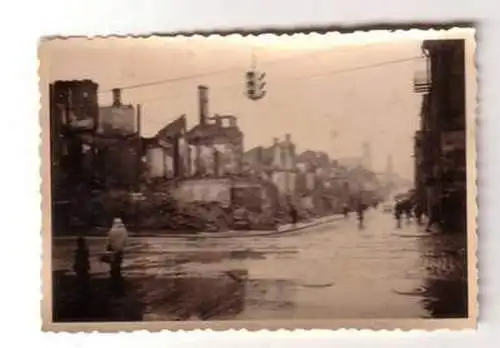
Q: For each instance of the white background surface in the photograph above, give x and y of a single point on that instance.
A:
(23, 22)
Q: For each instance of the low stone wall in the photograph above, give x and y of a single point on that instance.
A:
(204, 190)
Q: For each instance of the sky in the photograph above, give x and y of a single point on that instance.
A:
(331, 92)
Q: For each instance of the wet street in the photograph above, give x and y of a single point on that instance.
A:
(334, 270)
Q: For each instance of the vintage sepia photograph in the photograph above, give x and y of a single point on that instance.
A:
(260, 181)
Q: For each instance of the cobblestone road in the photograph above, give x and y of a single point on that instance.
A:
(335, 270)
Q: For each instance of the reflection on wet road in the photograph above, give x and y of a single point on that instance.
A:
(334, 270)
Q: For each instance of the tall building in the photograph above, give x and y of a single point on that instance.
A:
(440, 175)
(167, 153)
(73, 115)
(388, 176)
(276, 163)
(117, 119)
(215, 144)
(389, 166)
(366, 156)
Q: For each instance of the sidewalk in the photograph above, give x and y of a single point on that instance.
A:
(283, 229)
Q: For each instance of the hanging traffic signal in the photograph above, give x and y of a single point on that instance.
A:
(261, 84)
(255, 85)
(251, 90)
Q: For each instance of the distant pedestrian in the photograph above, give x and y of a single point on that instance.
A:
(345, 210)
(398, 212)
(418, 211)
(435, 215)
(406, 207)
(294, 214)
(361, 212)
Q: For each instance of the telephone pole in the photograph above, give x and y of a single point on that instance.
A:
(138, 149)
(136, 196)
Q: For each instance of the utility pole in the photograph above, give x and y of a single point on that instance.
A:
(138, 148)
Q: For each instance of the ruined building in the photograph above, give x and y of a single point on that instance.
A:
(215, 143)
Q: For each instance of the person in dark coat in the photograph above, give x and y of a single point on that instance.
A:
(435, 215)
(294, 215)
(419, 211)
(81, 266)
(406, 206)
(345, 210)
(361, 207)
(398, 212)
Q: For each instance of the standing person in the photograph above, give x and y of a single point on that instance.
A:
(345, 210)
(293, 213)
(398, 211)
(419, 211)
(81, 265)
(435, 215)
(361, 212)
(406, 208)
(117, 239)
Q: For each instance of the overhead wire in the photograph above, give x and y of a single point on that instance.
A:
(314, 76)
(239, 68)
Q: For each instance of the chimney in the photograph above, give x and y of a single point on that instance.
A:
(203, 101)
(117, 97)
(288, 137)
(139, 119)
(275, 141)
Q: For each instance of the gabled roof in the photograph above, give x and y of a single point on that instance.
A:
(173, 129)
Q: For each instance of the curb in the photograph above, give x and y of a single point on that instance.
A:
(221, 235)
(246, 234)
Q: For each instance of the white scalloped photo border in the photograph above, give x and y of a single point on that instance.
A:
(344, 36)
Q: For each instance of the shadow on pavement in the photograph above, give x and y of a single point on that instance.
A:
(446, 298)
(169, 298)
(446, 286)
(94, 300)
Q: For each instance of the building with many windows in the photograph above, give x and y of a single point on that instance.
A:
(440, 144)
(276, 163)
(215, 144)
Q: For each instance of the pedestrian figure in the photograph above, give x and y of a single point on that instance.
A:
(361, 213)
(435, 216)
(117, 239)
(418, 213)
(398, 211)
(406, 208)
(294, 214)
(81, 265)
(345, 210)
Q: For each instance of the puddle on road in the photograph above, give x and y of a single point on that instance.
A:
(444, 290)
(206, 256)
(182, 297)
(428, 271)
(319, 286)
